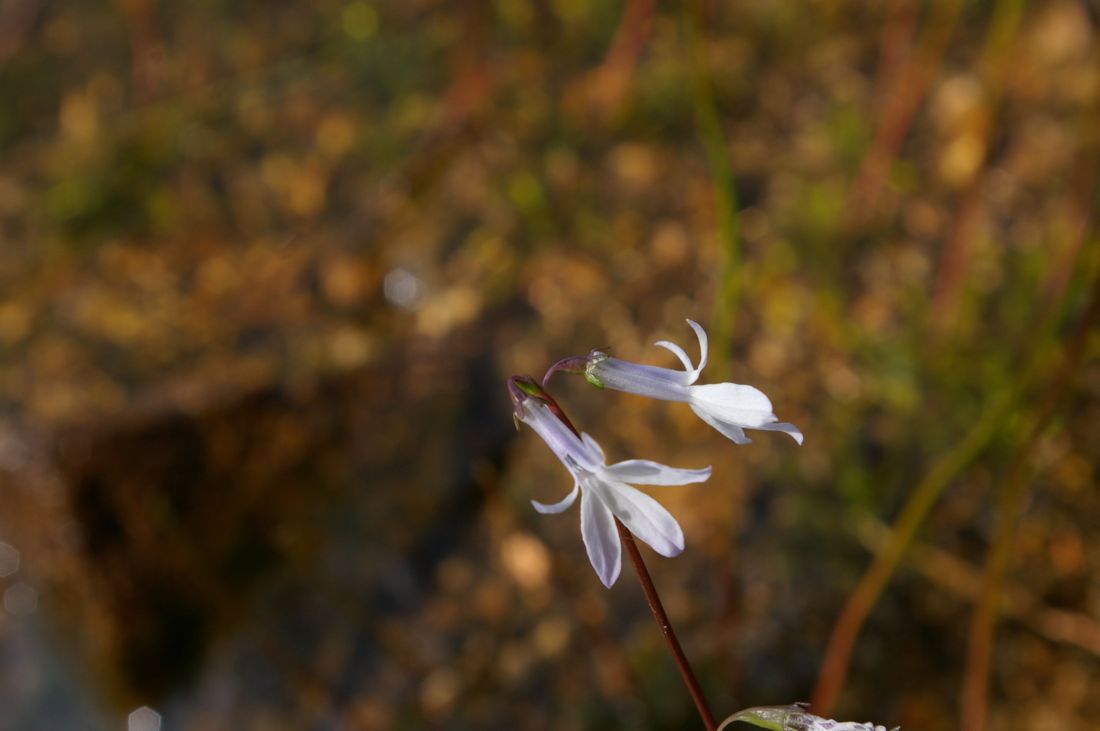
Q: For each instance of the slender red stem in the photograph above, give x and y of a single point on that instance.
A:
(663, 622)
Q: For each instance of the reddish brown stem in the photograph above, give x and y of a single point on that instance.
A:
(905, 81)
(666, 627)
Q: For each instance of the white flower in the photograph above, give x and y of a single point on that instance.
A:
(605, 494)
(728, 407)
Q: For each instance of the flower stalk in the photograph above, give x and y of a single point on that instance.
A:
(612, 510)
(665, 625)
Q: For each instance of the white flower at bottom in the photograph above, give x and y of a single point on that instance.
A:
(795, 717)
(606, 494)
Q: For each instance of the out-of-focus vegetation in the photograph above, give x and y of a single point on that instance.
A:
(265, 266)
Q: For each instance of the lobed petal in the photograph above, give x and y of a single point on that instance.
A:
(790, 429)
(646, 472)
(644, 516)
(678, 352)
(601, 538)
(729, 430)
(746, 406)
(558, 507)
(701, 334)
(691, 372)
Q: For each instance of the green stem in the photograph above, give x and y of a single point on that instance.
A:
(1009, 506)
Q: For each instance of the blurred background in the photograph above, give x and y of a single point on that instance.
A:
(265, 267)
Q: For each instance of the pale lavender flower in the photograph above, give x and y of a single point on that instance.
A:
(605, 492)
(728, 407)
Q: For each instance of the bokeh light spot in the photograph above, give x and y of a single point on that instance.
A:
(21, 599)
(403, 289)
(360, 21)
(143, 719)
(526, 560)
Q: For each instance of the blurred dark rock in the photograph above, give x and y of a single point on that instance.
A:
(150, 531)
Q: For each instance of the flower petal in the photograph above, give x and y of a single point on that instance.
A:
(644, 516)
(731, 431)
(645, 472)
(558, 507)
(601, 538)
(794, 432)
(692, 372)
(701, 334)
(678, 352)
(746, 406)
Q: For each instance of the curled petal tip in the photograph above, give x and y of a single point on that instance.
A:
(701, 336)
(558, 507)
(681, 355)
(789, 429)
